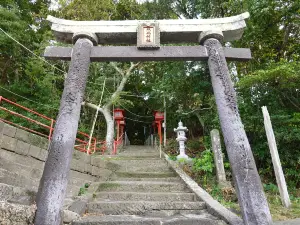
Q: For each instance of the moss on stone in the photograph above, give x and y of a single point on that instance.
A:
(107, 186)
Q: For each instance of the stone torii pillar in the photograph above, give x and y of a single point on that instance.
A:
(54, 181)
(248, 185)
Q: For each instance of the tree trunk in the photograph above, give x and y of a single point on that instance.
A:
(110, 128)
(106, 108)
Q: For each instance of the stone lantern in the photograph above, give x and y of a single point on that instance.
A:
(181, 139)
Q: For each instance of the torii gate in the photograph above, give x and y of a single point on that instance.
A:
(210, 34)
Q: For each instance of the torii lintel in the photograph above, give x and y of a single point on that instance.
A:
(170, 31)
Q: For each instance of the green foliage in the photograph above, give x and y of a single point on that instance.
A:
(271, 188)
(173, 157)
(83, 190)
(182, 161)
(205, 163)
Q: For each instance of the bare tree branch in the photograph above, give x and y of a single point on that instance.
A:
(93, 106)
(114, 65)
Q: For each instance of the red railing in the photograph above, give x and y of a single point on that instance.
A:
(81, 143)
(117, 143)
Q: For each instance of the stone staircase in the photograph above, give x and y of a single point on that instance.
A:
(144, 190)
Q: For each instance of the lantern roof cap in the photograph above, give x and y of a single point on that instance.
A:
(180, 127)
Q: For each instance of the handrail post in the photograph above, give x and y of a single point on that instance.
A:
(51, 128)
(95, 145)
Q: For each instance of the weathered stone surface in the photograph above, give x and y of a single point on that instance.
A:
(34, 139)
(172, 31)
(145, 174)
(79, 206)
(43, 155)
(218, 157)
(14, 214)
(102, 173)
(131, 53)
(214, 207)
(145, 196)
(140, 207)
(22, 135)
(74, 165)
(1, 127)
(9, 191)
(22, 147)
(142, 186)
(9, 130)
(23, 199)
(22, 160)
(17, 179)
(69, 216)
(288, 222)
(88, 168)
(252, 200)
(54, 181)
(98, 161)
(138, 220)
(44, 142)
(34, 151)
(8, 143)
(285, 199)
(137, 163)
(82, 176)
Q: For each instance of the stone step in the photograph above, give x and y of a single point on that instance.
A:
(136, 154)
(139, 148)
(166, 174)
(112, 158)
(9, 191)
(142, 186)
(140, 196)
(15, 179)
(138, 220)
(140, 207)
(163, 179)
(142, 165)
(20, 168)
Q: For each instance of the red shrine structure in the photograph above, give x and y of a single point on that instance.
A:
(119, 118)
(159, 117)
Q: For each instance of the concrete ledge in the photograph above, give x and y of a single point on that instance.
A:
(213, 206)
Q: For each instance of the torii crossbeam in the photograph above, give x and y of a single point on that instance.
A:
(148, 36)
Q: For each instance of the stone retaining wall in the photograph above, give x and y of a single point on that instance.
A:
(33, 148)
